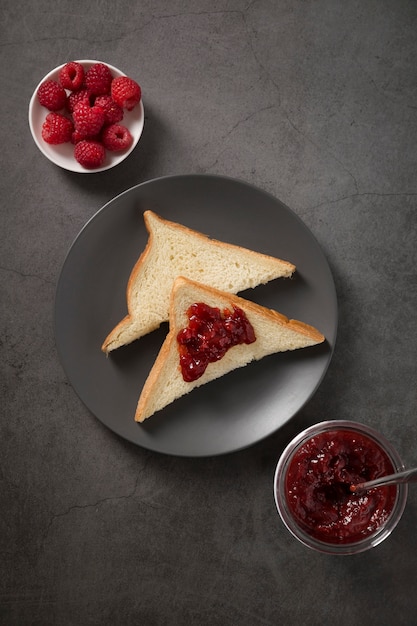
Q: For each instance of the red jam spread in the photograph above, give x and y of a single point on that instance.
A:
(317, 487)
(208, 336)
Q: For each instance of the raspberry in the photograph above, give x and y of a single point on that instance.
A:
(113, 113)
(57, 129)
(94, 105)
(71, 76)
(98, 79)
(126, 92)
(89, 154)
(77, 136)
(83, 95)
(116, 137)
(88, 120)
(52, 95)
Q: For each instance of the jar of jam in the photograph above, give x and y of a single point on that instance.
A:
(312, 487)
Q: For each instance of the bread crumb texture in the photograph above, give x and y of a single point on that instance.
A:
(274, 333)
(174, 250)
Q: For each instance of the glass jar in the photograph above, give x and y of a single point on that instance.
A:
(311, 487)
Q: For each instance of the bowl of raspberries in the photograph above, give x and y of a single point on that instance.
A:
(86, 116)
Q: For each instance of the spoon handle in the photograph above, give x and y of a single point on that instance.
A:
(406, 476)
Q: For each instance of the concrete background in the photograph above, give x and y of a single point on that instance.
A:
(313, 101)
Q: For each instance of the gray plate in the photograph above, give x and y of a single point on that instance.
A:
(246, 405)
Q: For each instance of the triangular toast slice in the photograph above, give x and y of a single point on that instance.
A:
(174, 250)
(273, 333)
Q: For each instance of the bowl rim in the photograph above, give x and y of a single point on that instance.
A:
(52, 153)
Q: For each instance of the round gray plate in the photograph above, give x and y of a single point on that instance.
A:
(246, 405)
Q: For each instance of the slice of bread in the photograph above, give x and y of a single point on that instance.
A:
(173, 250)
(273, 331)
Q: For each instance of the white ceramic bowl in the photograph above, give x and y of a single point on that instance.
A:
(63, 154)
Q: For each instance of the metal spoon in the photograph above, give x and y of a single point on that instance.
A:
(406, 476)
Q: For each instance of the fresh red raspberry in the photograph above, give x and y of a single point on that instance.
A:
(57, 129)
(71, 76)
(83, 95)
(89, 153)
(77, 136)
(113, 112)
(98, 79)
(52, 95)
(116, 137)
(126, 92)
(88, 120)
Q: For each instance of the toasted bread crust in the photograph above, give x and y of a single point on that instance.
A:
(246, 305)
(148, 216)
(113, 336)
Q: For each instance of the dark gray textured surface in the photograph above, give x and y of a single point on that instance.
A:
(313, 101)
